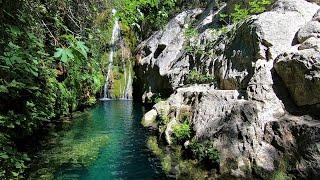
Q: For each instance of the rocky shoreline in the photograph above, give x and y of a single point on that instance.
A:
(262, 110)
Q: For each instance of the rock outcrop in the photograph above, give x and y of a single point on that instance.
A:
(300, 70)
(160, 68)
(249, 116)
(301, 74)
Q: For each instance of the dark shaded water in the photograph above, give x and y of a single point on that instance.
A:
(126, 155)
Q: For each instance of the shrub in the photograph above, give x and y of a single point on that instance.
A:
(280, 175)
(196, 77)
(157, 98)
(191, 32)
(154, 147)
(166, 164)
(241, 12)
(182, 132)
(205, 152)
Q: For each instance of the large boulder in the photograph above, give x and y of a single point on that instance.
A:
(248, 144)
(298, 141)
(301, 73)
(299, 70)
(263, 37)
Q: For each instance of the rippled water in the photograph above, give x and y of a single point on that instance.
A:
(126, 155)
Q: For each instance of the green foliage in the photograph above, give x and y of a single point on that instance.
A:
(174, 158)
(243, 11)
(52, 61)
(192, 47)
(182, 132)
(205, 152)
(12, 163)
(239, 13)
(280, 175)
(166, 164)
(150, 15)
(154, 147)
(196, 77)
(157, 98)
(164, 119)
(144, 15)
(191, 32)
(258, 6)
(47, 70)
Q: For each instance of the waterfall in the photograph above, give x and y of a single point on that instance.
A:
(126, 88)
(115, 37)
(128, 92)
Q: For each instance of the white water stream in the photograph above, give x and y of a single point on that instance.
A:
(127, 90)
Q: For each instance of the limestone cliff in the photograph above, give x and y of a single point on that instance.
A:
(263, 108)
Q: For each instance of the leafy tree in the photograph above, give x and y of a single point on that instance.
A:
(44, 73)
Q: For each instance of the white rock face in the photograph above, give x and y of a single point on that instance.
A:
(251, 118)
(160, 67)
(311, 43)
(149, 119)
(311, 29)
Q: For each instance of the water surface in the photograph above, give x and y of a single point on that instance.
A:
(125, 156)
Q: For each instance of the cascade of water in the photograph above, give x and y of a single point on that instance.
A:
(128, 92)
(124, 73)
(115, 37)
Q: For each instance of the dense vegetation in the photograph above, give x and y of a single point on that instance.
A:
(53, 59)
(48, 69)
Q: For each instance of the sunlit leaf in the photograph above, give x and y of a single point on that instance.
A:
(65, 54)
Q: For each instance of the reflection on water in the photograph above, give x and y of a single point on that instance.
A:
(106, 142)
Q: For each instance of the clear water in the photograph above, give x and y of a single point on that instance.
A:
(126, 155)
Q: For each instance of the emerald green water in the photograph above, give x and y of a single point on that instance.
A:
(124, 156)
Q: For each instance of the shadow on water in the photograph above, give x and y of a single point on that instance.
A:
(124, 155)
